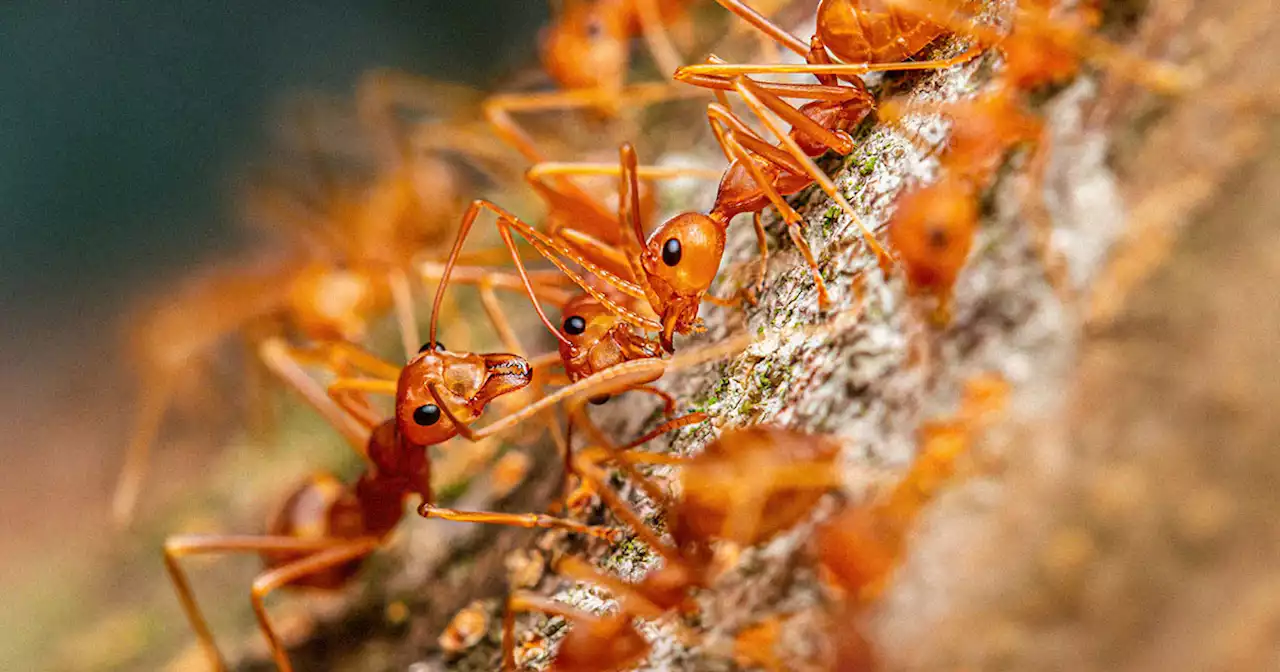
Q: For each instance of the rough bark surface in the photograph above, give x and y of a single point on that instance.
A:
(1121, 515)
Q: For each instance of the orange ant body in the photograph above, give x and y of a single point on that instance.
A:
(355, 241)
(934, 225)
(860, 546)
(325, 528)
(746, 487)
(588, 44)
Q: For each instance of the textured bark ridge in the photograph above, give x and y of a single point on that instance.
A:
(1123, 497)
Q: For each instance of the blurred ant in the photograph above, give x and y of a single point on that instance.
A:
(933, 226)
(746, 487)
(353, 246)
(588, 44)
(859, 547)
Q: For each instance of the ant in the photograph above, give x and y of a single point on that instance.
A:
(850, 41)
(746, 487)
(325, 528)
(588, 44)
(860, 545)
(352, 246)
(933, 226)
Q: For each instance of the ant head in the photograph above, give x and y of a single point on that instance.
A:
(932, 230)
(598, 339)
(587, 46)
(681, 259)
(332, 302)
(466, 382)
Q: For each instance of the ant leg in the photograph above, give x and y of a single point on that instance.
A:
(753, 96)
(633, 601)
(525, 520)
(592, 475)
(762, 22)
(668, 401)
(402, 299)
(286, 574)
(789, 215)
(380, 92)
(499, 108)
(553, 251)
(277, 358)
(526, 601)
(656, 38)
(154, 403)
(820, 70)
(340, 356)
(549, 283)
(178, 547)
(613, 380)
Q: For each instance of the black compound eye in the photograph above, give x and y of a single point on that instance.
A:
(575, 325)
(427, 346)
(426, 415)
(671, 252)
(599, 400)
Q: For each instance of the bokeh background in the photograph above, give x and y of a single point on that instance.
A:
(123, 130)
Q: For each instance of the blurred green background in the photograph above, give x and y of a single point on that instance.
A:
(123, 127)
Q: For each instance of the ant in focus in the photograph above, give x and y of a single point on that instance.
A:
(351, 246)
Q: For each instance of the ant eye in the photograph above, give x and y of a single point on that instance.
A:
(599, 400)
(426, 415)
(427, 346)
(671, 252)
(575, 325)
(938, 239)
(595, 29)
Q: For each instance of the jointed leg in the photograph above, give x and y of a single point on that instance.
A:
(277, 358)
(155, 396)
(281, 576)
(753, 97)
(176, 548)
(762, 22)
(498, 109)
(525, 520)
(402, 298)
(655, 36)
(789, 215)
(687, 72)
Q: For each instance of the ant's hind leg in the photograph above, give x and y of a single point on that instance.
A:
(286, 574)
(281, 362)
(656, 37)
(155, 399)
(753, 96)
(766, 26)
(175, 548)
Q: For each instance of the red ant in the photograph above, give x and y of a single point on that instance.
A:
(746, 487)
(933, 226)
(350, 268)
(325, 528)
(588, 44)
(859, 546)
